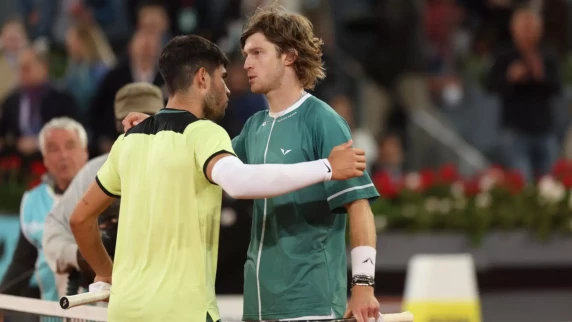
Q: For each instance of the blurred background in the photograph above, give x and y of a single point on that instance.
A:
(463, 108)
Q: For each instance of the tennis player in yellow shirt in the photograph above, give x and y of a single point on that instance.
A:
(170, 171)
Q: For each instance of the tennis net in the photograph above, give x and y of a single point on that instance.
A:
(21, 309)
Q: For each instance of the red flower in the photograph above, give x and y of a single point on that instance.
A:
(562, 167)
(12, 162)
(514, 180)
(37, 168)
(567, 181)
(448, 173)
(384, 185)
(428, 178)
(4, 164)
(472, 187)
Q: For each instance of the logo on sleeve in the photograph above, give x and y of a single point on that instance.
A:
(284, 152)
(327, 166)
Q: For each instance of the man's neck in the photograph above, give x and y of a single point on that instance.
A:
(282, 98)
(187, 103)
(527, 49)
(61, 186)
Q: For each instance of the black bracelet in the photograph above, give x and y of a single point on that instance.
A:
(363, 280)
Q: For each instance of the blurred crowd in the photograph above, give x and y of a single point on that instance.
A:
(493, 68)
(497, 72)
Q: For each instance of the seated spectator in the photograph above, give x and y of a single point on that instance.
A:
(63, 143)
(90, 58)
(362, 138)
(32, 104)
(13, 40)
(61, 250)
(140, 66)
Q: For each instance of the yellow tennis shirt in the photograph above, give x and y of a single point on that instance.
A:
(167, 244)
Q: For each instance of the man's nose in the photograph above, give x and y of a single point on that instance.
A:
(246, 63)
(64, 153)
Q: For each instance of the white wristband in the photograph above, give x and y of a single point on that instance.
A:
(328, 169)
(363, 261)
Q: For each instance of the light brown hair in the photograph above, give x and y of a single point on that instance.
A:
(290, 32)
(98, 48)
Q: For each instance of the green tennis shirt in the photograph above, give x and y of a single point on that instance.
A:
(296, 262)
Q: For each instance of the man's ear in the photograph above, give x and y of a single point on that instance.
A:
(203, 78)
(291, 56)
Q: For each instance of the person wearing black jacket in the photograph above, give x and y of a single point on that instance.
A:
(525, 76)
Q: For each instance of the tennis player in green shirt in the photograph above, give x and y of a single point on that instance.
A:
(169, 172)
(296, 262)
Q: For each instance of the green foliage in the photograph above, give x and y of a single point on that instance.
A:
(543, 209)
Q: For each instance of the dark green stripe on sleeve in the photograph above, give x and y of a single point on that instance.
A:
(105, 190)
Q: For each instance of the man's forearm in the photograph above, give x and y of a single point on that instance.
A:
(362, 226)
(362, 237)
(255, 181)
(89, 243)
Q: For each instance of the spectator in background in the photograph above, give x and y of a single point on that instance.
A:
(52, 19)
(152, 16)
(63, 143)
(362, 138)
(390, 158)
(447, 44)
(242, 103)
(61, 250)
(13, 40)
(526, 78)
(139, 66)
(89, 58)
(32, 104)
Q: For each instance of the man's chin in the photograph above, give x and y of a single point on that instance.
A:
(256, 89)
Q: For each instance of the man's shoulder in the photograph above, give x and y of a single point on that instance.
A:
(256, 118)
(203, 125)
(92, 166)
(316, 110)
(32, 198)
(38, 190)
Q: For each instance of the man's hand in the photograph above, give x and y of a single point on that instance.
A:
(363, 304)
(536, 65)
(347, 162)
(104, 280)
(133, 119)
(517, 72)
